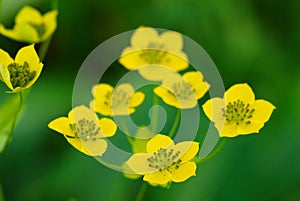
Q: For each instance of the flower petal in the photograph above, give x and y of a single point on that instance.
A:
(154, 72)
(176, 61)
(24, 33)
(29, 55)
(108, 127)
(62, 125)
(137, 99)
(213, 109)
(143, 36)
(167, 96)
(131, 58)
(171, 40)
(28, 14)
(253, 127)
(159, 177)
(242, 92)
(196, 80)
(95, 148)
(102, 103)
(184, 172)
(159, 141)
(227, 129)
(263, 110)
(139, 164)
(188, 150)
(50, 23)
(5, 59)
(5, 76)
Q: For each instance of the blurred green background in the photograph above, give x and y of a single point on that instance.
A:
(251, 41)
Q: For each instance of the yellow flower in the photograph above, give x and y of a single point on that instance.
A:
(165, 162)
(21, 73)
(115, 102)
(84, 131)
(155, 53)
(238, 113)
(30, 26)
(182, 92)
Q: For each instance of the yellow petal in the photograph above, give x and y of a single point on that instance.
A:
(139, 164)
(241, 92)
(227, 129)
(184, 172)
(108, 127)
(62, 125)
(187, 149)
(131, 58)
(253, 127)
(263, 110)
(159, 141)
(171, 41)
(82, 112)
(5, 59)
(28, 14)
(9, 33)
(154, 72)
(50, 23)
(24, 33)
(196, 80)
(137, 99)
(29, 55)
(159, 177)
(102, 103)
(5, 76)
(167, 96)
(213, 109)
(176, 61)
(95, 148)
(143, 36)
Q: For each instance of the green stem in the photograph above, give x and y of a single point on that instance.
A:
(141, 193)
(175, 124)
(215, 152)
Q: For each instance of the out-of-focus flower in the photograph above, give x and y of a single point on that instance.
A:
(153, 55)
(238, 113)
(182, 91)
(22, 72)
(84, 131)
(117, 101)
(30, 26)
(165, 162)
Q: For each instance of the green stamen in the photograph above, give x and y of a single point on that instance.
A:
(85, 129)
(238, 112)
(20, 75)
(164, 159)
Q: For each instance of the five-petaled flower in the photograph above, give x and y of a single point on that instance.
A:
(30, 26)
(182, 91)
(84, 131)
(153, 55)
(21, 73)
(165, 162)
(238, 113)
(117, 101)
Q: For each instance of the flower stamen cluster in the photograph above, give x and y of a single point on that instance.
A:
(163, 159)
(20, 75)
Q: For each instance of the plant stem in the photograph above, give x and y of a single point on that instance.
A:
(141, 193)
(175, 124)
(126, 131)
(1, 194)
(215, 152)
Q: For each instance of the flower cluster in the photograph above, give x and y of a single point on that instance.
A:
(159, 58)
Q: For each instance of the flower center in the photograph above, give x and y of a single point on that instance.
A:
(182, 90)
(20, 75)
(163, 159)
(85, 129)
(154, 54)
(40, 28)
(238, 112)
(120, 98)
